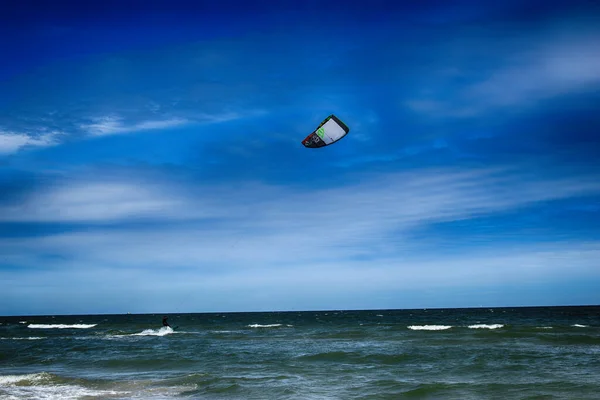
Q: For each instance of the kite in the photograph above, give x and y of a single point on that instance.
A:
(329, 131)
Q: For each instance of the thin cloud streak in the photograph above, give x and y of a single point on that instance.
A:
(11, 142)
(113, 125)
(524, 71)
(552, 70)
(397, 198)
(323, 282)
(211, 226)
(104, 202)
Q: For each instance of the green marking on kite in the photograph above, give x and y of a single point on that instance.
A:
(321, 132)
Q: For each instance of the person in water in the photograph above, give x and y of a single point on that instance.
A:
(165, 323)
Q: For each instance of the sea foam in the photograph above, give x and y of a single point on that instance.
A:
(61, 326)
(44, 386)
(486, 326)
(165, 330)
(429, 327)
(27, 378)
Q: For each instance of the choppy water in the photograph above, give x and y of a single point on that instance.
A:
(502, 353)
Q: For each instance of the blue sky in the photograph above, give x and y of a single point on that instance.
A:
(150, 156)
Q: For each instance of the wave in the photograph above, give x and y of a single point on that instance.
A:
(268, 326)
(165, 330)
(486, 326)
(45, 385)
(23, 338)
(429, 327)
(6, 380)
(61, 326)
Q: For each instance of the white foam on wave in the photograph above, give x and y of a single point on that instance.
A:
(579, 326)
(165, 330)
(22, 322)
(6, 380)
(61, 326)
(22, 338)
(429, 327)
(486, 326)
(40, 386)
(267, 326)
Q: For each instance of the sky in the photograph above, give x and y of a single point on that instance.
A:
(151, 157)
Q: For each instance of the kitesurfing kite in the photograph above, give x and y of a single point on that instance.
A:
(330, 131)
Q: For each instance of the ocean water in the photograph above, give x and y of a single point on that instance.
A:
(499, 353)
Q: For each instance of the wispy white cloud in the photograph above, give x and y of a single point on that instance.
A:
(528, 69)
(556, 68)
(116, 125)
(226, 116)
(101, 201)
(258, 225)
(405, 198)
(113, 124)
(11, 142)
(206, 284)
(110, 125)
(501, 265)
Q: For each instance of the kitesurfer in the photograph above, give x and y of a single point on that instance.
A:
(165, 323)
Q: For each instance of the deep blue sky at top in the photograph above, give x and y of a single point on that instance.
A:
(146, 140)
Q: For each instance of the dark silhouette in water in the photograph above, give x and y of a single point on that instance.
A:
(165, 323)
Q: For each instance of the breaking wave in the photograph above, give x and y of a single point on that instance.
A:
(429, 327)
(165, 330)
(61, 326)
(49, 386)
(486, 326)
(267, 326)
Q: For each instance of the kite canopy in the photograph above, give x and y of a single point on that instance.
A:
(330, 131)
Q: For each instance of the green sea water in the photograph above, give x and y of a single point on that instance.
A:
(499, 353)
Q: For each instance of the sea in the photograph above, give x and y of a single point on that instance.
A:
(476, 353)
